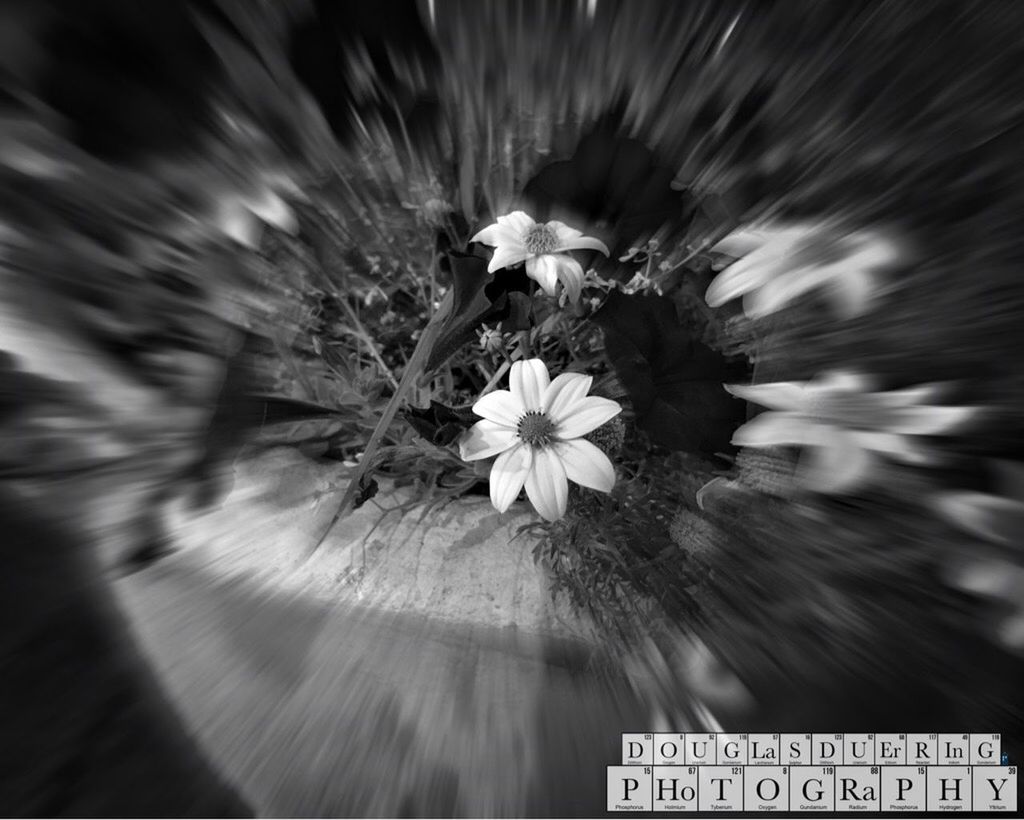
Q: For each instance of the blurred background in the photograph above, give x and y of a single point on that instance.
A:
(224, 228)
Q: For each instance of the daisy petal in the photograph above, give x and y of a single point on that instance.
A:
(928, 421)
(239, 223)
(505, 256)
(570, 274)
(776, 395)
(501, 407)
(582, 243)
(546, 485)
(893, 445)
(544, 271)
(497, 235)
(587, 465)
(564, 391)
(845, 381)
(275, 211)
(563, 231)
(739, 278)
(518, 221)
(776, 430)
(583, 416)
(485, 439)
(529, 380)
(996, 519)
(837, 465)
(740, 243)
(508, 475)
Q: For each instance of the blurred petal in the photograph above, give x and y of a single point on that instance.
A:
(776, 395)
(740, 243)
(508, 475)
(518, 221)
(507, 255)
(544, 271)
(498, 235)
(851, 289)
(239, 223)
(928, 421)
(563, 231)
(528, 381)
(582, 243)
(587, 465)
(570, 274)
(715, 488)
(837, 464)
(566, 390)
(502, 407)
(893, 445)
(584, 415)
(845, 381)
(734, 281)
(776, 429)
(991, 517)
(546, 485)
(275, 211)
(781, 290)
(485, 439)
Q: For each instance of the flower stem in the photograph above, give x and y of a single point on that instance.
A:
(409, 377)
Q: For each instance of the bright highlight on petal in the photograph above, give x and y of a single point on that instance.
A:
(535, 429)
(545, 248)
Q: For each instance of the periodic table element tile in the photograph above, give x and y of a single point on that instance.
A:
(669, 749)
(858, 750)
(995, 788)
(732, 749)
(719, 788)
(922, 749)
(764, 749)
(794, 750)
(949, 788)
(954, 750)
(858, 788)
(674, 788)
(826, 750)
(637, 749)
(629, 788)
(812, 788)
(766, 788)
(985, 750)
(904, 788)
(701, 750)
(890, 749)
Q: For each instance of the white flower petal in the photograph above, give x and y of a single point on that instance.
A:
(528, 381)
(740, 243)
(499, 235)
(570, 274)
(741, 277)
(583, 416)
(781, 290)
(996, 519)
(275, 211)
(837, 464)
(776, 430)
(508, 474)
(544, 271)
(843, 381)
(851, 289)
(518, 221)
(586, 464)
(776, 395)
(563, 231)
(485, 439)
(565, 391)
(893, 445)
(546, 485)
(928, 421)
(505, 256)
(580, 243)
(238, 222)
(502, 407)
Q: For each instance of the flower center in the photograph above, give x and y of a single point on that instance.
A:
(536, 429)
(540, 239)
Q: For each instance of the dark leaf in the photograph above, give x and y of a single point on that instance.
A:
(440, 424)
(674, 382)
(367, 490)
(479, 298)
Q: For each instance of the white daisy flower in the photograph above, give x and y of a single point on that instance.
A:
(536, 430)
(543, 247)
(845, 426)
(781, 263)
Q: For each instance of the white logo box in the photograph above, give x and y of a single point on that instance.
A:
(812, 749)
(802, 789)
